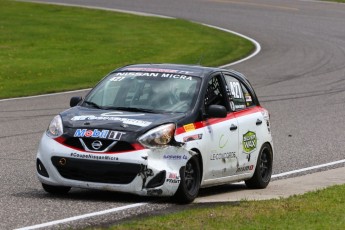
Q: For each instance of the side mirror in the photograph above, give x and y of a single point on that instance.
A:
(74, 101)
(217, 111)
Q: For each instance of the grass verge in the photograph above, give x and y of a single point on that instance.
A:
(322, 209)
(46, 48)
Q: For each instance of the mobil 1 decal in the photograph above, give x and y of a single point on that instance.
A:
(249, 143)
(95, 133)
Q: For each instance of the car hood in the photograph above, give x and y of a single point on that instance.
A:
(82, 117)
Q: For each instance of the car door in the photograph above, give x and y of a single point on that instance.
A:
(250, 123)
(220, 134)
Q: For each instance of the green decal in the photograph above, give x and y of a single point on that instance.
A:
(222, 143)
(249, 142)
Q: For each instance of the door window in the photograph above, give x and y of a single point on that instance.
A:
(214, 93)
(239, 96)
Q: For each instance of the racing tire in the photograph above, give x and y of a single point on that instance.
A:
(190, 182)
(263, 170)
(56, 190)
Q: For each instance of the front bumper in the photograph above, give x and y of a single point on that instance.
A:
(146, 172)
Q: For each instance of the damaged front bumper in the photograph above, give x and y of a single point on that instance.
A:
(146, 172)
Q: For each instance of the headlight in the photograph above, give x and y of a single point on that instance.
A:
(55, 128)
(158, 137)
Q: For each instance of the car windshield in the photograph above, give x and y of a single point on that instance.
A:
(146, 92)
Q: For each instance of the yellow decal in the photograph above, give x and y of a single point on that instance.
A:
(189, 127)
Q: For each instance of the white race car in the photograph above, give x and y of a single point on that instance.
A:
(159, 130)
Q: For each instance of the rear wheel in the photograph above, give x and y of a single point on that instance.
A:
(57, 190)
(190, 181)
(263, 171)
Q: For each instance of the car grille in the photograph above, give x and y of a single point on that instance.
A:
(120, 146)
(96, 171)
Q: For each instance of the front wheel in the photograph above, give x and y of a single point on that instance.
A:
(190, 182)
(263, 171)
(56, 190)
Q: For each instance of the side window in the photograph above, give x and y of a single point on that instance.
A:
(247, 96)
(239, 96)
(214, 95)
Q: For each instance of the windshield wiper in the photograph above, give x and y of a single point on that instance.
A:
(93, 104)
(131, 109)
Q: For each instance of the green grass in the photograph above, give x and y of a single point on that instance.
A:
(322, 209)
(46, 48)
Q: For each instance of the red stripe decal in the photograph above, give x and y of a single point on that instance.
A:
(213, 121)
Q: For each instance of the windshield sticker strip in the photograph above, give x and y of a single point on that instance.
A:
(119, 76)
(158, 70)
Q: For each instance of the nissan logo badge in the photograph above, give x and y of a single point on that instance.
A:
(96, 145)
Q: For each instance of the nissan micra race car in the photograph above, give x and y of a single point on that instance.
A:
(159, 130)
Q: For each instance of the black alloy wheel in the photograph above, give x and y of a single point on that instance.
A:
(263, 171)
(190, 181)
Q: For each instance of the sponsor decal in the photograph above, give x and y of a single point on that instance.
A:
(121, 75)
(189, 127)
(192, 138)
(117, 114)
(95, 133)
(176, 76)
(175, 157)
(248, 99)
(173, 178)
(91, 133)
(135, 74)
(240, 106)
(249, 142)
(266, 116)
(94, 157)
(127, 121)
(222, 156)
(115, 135)
(117, 78)
(223, 141)
(245, 168)
(173, 181)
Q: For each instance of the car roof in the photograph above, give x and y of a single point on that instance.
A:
(193, 70)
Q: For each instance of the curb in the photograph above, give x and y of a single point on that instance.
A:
(276, 189)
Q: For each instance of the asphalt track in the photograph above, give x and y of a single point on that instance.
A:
(299, 75)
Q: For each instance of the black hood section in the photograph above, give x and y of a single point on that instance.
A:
(89, 118)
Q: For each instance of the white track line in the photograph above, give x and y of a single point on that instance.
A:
(49, 224)
(308, 169)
